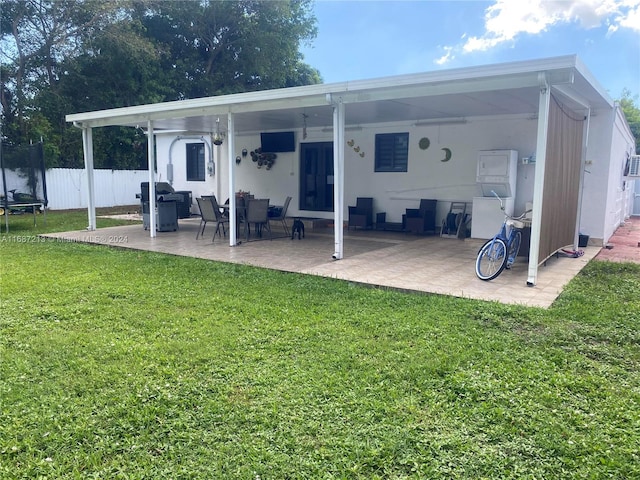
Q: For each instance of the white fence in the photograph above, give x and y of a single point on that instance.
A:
(67, 187)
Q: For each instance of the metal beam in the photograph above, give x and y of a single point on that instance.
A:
(233, 218)
(338, 179)
(151, 162)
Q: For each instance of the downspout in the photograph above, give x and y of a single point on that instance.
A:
(538, 187)
(211, 169)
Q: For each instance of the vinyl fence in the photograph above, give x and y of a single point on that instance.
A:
(67, 187)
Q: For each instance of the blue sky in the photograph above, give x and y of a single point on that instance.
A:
(376, 38)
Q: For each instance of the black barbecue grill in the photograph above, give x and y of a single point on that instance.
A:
(170, 205)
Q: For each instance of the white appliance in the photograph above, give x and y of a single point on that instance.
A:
(496, 172)
(486, 216)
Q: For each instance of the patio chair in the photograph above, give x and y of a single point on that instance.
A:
(423, 219)
(361, 215)
(258, 214)
(282, 215)
(210, 212)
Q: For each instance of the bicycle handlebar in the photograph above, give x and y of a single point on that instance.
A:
(519, 217)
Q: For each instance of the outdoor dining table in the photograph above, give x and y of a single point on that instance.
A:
(241, 214)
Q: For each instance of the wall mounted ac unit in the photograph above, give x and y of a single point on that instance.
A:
(634, 166)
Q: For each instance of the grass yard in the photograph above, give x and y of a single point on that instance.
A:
(117, 364)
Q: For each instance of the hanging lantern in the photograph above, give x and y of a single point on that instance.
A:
(218, 136)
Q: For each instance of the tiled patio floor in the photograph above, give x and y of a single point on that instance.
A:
(389, 259)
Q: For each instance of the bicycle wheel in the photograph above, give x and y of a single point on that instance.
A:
(492, 259)
(514, 248)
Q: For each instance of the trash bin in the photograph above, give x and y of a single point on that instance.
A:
(184, 205)
(167, 220)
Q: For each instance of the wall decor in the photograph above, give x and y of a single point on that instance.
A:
(424, 143)
(356, 148)
(447, 154)
(263, 159)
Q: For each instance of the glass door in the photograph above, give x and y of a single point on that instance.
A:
(316, 176)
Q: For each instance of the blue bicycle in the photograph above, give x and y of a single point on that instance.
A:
(501, 251)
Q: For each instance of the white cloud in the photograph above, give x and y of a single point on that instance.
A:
(506, 19)
(446, 57)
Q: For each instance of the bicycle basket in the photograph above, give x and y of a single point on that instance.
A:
(516, 223)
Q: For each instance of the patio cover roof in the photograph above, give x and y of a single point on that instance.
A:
(517, 88)
(510, 88)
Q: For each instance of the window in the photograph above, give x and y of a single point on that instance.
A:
(195, 162)
(392, 152)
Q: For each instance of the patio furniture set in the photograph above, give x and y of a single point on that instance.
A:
(249, 211)
(421, 220)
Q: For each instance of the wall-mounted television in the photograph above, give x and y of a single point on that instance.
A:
(274, 142)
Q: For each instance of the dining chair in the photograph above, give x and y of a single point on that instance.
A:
(281, 217)
(210, 212)
(258, 214)
(222, 217)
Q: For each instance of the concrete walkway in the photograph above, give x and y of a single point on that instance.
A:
(624, 245)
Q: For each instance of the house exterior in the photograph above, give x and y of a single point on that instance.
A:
(401, 139)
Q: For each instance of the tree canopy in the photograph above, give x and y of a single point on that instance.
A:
(632, 114)
(64, 56)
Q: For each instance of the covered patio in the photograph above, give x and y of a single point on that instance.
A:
(396, 260)
(520, 90)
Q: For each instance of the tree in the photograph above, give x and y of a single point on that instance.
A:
(220, 47)
(65, 56)
(36, 36)
(632, 113)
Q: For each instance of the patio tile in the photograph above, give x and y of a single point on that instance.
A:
(389, 259)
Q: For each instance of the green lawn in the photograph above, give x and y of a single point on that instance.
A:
(130, 365)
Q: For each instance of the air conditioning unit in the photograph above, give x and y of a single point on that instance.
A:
(634, 166)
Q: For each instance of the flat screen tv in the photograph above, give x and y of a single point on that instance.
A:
(274, 142)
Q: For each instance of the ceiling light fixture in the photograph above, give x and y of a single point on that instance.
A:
(441, 121)
(346, 129)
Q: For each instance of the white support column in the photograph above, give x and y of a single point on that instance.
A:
(338, 179)
(538, 187)
(231, 138)
(87, 146)
(151, 158)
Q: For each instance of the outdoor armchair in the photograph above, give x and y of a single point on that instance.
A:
(361, 215)
(423, 219)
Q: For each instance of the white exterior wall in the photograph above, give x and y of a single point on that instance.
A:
(605, 203)
(607, 199)
(427, 176)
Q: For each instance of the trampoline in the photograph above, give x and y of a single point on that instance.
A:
(24, 186)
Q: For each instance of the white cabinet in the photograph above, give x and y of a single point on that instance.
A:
(486, 216)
